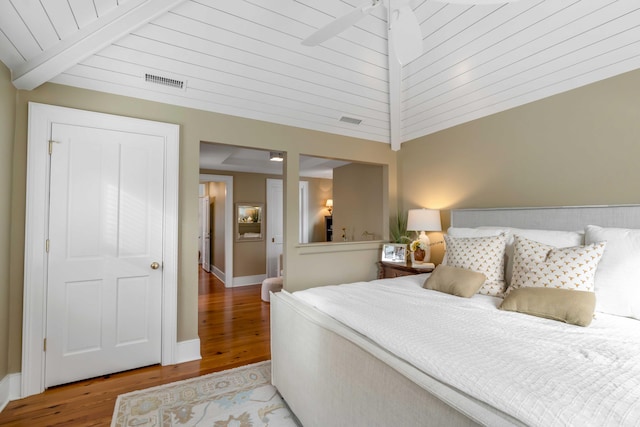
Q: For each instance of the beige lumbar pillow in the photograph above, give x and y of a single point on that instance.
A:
(455, 281)
(564, 305)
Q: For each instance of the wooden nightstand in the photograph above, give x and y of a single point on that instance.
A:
(388, 270)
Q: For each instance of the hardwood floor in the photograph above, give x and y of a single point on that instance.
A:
(233, 325)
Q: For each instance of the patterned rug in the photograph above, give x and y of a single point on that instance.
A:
(241, 397)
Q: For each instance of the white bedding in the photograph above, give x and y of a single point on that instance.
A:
(542, 372)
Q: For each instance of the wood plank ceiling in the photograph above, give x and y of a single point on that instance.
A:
(244, 57)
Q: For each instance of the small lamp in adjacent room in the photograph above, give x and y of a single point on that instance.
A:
(421, 220)
(329, 206)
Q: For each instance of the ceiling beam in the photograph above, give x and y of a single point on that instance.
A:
(116, 24)
(395, 101)
(395, 84)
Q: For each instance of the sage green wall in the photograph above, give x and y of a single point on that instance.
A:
(7, 125)
(576, 148)
(195, 126)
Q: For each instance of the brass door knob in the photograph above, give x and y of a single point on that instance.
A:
(155, 265)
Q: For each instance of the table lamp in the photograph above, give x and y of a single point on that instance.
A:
(421, 220)
(329, 206)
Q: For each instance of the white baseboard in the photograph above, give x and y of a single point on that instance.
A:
(4, 392)
(219, 274)
(247, 280)
(9, 389)
(189, 350)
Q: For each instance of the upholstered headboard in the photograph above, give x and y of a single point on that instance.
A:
(568, 218)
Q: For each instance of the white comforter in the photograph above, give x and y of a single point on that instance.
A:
(542, 372)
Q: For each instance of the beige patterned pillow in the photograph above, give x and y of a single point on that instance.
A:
(482, 254)
(536, 265)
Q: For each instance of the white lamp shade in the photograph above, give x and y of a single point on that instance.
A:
(424, 220)
(329, 203)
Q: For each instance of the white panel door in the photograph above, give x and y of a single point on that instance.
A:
(104, 289)
(275, 225)
(205, 241)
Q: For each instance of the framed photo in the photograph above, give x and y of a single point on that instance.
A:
(249, 225)
(394, 252)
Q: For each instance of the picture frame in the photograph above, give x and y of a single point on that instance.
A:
(249, 221)
(394, 252)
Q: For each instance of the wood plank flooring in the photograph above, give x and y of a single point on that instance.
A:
(233, 325)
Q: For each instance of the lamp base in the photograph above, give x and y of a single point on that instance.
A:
(424, 239)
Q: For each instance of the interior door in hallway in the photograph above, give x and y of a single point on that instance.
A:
(104, 290)
(205, 233)
(275, 225)
(275, 221)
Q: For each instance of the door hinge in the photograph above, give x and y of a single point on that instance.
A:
(46, 244)
(44, 346)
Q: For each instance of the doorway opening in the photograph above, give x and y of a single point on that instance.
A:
(216, 220)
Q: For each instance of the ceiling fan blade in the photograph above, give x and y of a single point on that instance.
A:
(339, 24)
(405, 34)
(480, 2)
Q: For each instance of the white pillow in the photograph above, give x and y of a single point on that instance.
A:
(617, 282)
(482, 254)
(476, 232)
(537, 265)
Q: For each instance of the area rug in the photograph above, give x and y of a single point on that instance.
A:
(241, 397)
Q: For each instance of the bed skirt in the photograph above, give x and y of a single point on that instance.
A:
(330, 375)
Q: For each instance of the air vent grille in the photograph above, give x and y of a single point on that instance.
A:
(350, 120)
(164, 81)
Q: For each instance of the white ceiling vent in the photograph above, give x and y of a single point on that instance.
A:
(350, 120)
(165, 81)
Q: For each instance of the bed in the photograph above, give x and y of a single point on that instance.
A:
(389, 352)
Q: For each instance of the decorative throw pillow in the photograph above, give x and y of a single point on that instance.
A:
(472, 232)
(481, 254)
(574, 307)
(544, 266)
(455, 281)
(617, 282)
(555, 238)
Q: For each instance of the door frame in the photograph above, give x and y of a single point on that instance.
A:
(304, 211)
(41, 118)
(228, 224)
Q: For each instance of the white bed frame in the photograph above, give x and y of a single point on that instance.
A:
(330, 375)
